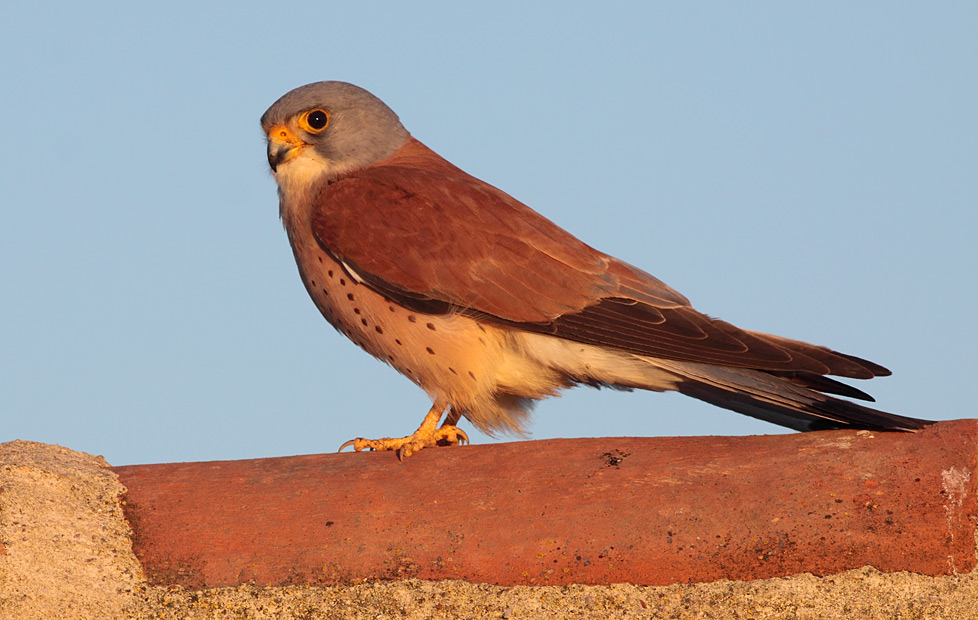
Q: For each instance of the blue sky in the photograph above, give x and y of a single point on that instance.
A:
(805, 170)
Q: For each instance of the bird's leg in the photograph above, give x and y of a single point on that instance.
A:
(428, 434)
(454, 415)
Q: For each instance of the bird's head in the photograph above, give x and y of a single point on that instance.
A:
(328, 129)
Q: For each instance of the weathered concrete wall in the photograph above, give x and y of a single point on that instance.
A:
(66, 549)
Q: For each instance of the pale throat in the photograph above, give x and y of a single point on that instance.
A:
(300, 173)
(296, 179)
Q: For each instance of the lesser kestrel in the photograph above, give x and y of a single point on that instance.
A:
(489, 306)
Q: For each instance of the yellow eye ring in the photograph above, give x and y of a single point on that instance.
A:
(314, 121)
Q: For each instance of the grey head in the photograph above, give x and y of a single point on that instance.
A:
(335, 126)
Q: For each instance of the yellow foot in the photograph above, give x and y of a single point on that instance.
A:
(427, 435)
(406, 446)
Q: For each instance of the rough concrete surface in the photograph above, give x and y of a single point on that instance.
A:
(66, 553)
(66, 546)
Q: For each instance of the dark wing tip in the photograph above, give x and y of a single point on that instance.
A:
(821, 383)
(876, 369)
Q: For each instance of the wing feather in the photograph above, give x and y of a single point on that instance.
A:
(427, 234)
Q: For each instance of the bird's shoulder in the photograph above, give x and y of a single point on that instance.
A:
(416, 190)
(417, 222)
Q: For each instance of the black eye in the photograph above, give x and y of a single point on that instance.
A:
(317, 120)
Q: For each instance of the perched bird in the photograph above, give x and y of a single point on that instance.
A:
(488, 306)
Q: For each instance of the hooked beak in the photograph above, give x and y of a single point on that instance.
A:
(283, 145)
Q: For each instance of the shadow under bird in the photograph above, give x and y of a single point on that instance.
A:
(488, 306)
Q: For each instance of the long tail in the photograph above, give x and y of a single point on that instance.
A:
(798, 401)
